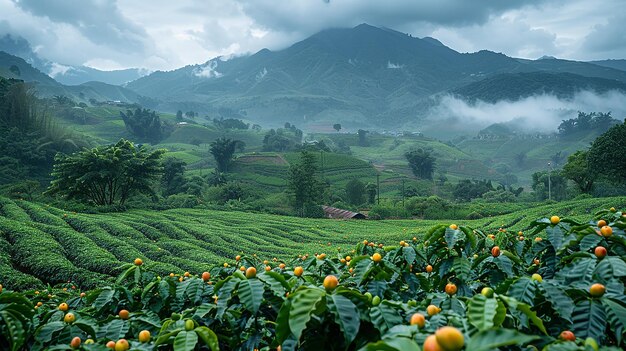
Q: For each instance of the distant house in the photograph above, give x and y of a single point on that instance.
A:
(337, 213)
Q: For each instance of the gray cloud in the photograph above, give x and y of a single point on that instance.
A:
(296, 16)
(165, 34)
(608, 40)
(99, 21)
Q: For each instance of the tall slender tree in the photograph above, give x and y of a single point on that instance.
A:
(223, 150)
(304, 184)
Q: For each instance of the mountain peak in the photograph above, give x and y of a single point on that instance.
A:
(365, 26)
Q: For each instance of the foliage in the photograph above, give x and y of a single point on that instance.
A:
(173, 179)
(577, 169)
(106, 175)
(144, 124)
(467, 189)
(282, 139)
(587, 121)
(422, 163)
(370, 190)
(355, 192)
(304, 184)
(362, 137)
(230, 123)
(522, 295)
(426, 206)
(337, 126)
(233, 191)
(607, 153)
(499, 195)
(29, 137)
(223, 150)
(549, 184)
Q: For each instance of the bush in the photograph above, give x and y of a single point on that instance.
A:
(388, 211)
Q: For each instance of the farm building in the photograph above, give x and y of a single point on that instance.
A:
(337, 213)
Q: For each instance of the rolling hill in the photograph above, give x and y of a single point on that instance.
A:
(359, 76)
(42, 244)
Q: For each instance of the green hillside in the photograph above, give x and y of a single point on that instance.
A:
(466, 157)
(41, 244)
(513, 86)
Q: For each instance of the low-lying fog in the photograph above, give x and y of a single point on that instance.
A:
(540, 113)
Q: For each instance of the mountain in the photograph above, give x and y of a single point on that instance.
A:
(513, 86)
(66, 74)
(45, 86)
(70, 75)
(617, 64)
(363, 76)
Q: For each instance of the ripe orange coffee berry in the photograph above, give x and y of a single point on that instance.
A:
(451, 289)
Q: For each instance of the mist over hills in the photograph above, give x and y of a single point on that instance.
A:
(66, 74)
(362, 77)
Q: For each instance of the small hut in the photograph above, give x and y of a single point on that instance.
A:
(337, 213)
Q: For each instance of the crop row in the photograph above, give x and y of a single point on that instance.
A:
(51, 245)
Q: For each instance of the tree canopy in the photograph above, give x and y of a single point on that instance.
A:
(107, 175)
(223, 150)
(304, 185)
(607, 153)
(355, 192)
(144, 124)
(422, 163)
(577, 169)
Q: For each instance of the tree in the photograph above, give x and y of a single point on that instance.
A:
(107, 175)
(173, 179)
(355, 192)
(467, 189)
(223, 150)
(362, 137)
(337, 126)
(29, 137)
(607, 153)
(577, 169)
(371, 190)
(558, 158)
(144, 124)
(422, 163)
(179, 115)
(555, 185)
(304, 185)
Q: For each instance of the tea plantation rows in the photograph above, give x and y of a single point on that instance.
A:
(45, 245)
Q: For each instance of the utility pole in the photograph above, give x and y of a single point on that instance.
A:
(378, 189)
(322, 163)
(403, 192)
(549, 181)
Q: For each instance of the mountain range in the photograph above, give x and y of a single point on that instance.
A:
(364, 76)
(45, 86)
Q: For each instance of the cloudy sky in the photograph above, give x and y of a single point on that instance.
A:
(166, 34)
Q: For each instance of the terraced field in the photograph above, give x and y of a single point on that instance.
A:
(41, 244)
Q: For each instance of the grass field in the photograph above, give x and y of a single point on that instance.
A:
(41, 244)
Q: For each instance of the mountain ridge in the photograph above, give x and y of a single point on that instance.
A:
(359, 75)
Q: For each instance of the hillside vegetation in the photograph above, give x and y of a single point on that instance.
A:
(42, 244)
